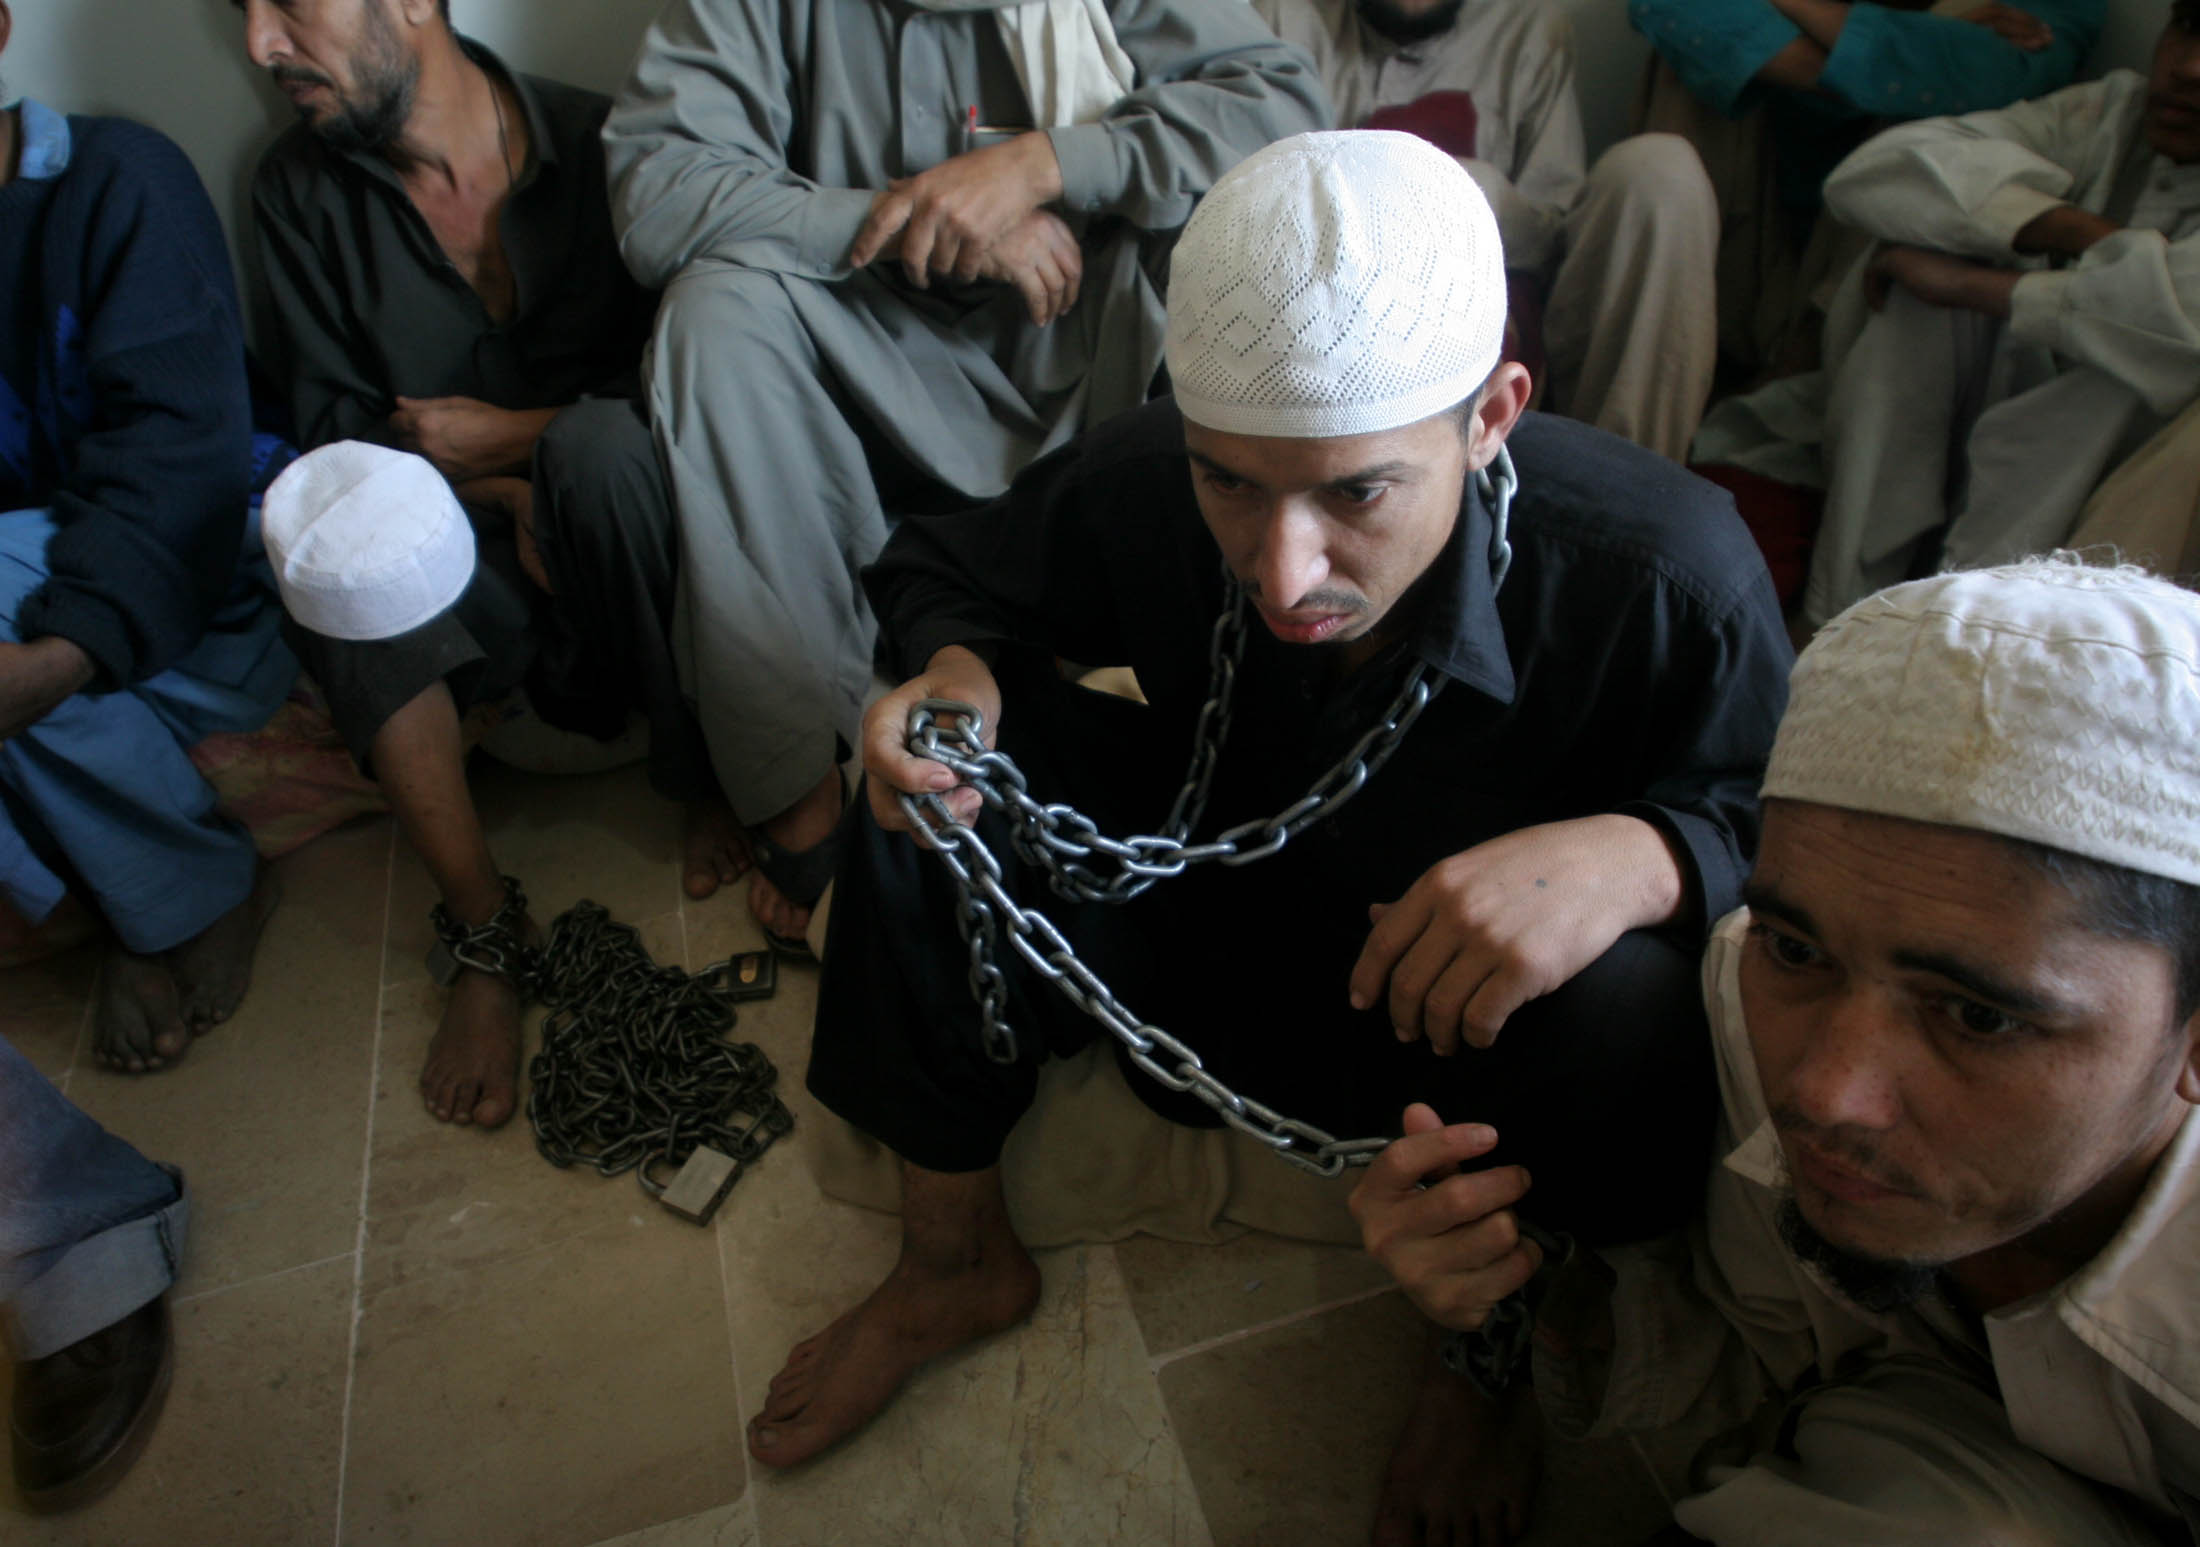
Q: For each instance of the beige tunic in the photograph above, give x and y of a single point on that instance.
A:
(2101, 1375)
(1623, 253)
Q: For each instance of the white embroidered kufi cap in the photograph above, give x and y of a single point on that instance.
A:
(1335, 284)
(2043, 700)
(366, 542)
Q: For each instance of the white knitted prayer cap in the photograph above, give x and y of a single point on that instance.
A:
(2044, 700)
(366, 542)
(1335, 284)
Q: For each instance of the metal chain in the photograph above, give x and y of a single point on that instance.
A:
(498, 947)
(635, 1069)
(1066, 844)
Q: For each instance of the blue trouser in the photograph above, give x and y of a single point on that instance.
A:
(89, 1229)
(102, 793)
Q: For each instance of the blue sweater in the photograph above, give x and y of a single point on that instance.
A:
(123, 403)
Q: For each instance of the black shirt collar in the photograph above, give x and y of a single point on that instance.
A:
(1456, 627)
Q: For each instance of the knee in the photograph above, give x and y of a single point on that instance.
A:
(597, 460)
(711, 318)
(1654, 178)
(1627, 1057)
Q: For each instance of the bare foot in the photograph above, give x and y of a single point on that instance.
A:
(803, 825)
(1465, 1469)
(214, 968)
(714, 851)
(137, 1019)
(835, 1381)
(471, 1076)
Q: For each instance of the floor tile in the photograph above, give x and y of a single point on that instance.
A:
(1186, 1294)
(43, 1007)
(1052, 1433)
(1287, 1433)
(608, 837)
(267, 1114)
(246, 1451)
(543, 1354)
(559, 1395)
(734, 1525)
(446, 1197)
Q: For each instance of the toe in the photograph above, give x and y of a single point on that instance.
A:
(700, 881)
(493, 1110)
(435, 1095)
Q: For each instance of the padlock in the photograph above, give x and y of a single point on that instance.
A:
(701, 1186)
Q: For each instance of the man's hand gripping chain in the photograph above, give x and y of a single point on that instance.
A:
(1066, 844)
(985, 903)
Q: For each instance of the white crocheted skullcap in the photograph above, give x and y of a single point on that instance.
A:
(366, 542)
(2044, 700)
(1335, 284)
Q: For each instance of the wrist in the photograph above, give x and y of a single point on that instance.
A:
(1654, 865)
(1991, 290)
(1043, 169)
(2064, 231)
(64, 665)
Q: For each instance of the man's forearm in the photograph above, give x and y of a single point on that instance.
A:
(523, 428)
(2065, 231)
(37, 677)
(1795, 67)
(1820, 20)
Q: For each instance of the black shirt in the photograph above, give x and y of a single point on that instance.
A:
(371, 308)
(1634, 660)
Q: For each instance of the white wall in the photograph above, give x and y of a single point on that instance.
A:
(179, 64)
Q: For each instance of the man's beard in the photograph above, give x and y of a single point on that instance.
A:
(385, 79)
(1392, 21)
(1876, 1284)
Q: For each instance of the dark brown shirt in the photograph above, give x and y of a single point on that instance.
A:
(369, 307)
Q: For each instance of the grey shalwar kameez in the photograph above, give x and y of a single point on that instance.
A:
(795, 398)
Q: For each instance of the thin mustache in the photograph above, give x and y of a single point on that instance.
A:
(1314, 601)
(1850, 1152)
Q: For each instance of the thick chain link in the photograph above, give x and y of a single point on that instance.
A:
(498, 947)
(1084, 865)
(636, 1069)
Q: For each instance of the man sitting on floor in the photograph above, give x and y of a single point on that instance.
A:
(439, 251)
(1616, 260)
(1772, 93)
(2037, 319)
(905, 249)
(137, 616)
(1537, 855)
(1946, 1266)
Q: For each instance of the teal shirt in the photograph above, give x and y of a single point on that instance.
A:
(1887, 64)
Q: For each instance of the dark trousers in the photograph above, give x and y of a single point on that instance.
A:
(1604, 1089)
(588, 655)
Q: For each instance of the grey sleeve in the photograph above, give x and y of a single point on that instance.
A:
(1214, 85)
(696, 146)
(318, 345)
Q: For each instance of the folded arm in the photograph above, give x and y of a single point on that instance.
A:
(152, 507)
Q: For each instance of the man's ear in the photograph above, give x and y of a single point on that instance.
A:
(417, 13)
(2188, 1072)
(7, 25)
(1504, 399)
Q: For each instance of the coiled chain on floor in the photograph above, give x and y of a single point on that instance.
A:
(636, 1069)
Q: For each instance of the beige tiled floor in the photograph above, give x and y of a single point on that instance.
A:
(392, 1331)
